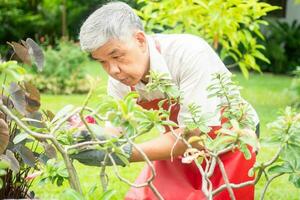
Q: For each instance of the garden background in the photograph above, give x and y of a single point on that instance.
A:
(270, 85)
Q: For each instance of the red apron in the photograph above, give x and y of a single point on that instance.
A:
(178, 181)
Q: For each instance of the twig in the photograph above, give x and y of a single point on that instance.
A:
(226, 180)
(61, 122)
(267, 184)
(103, 175)
(212, 167)
(73, 177)
(22, 125)
(148, 182)
(82, 144)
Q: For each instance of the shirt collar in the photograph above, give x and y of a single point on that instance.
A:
(157, 61)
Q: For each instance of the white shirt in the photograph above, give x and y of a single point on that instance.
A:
(190, 62)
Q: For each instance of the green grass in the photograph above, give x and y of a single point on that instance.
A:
(265, 92)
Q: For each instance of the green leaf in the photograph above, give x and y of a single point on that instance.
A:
(244, 149)
(285, 168)
(63, 172)
(70, 194)
(108, 195)
(2, 172)
(4, 164)
(20, 137)
(295, 179)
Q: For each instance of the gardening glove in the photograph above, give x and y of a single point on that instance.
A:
(95, 157)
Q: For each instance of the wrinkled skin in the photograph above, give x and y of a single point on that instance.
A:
(125, 60)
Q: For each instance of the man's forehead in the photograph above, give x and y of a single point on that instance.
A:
(111, 47)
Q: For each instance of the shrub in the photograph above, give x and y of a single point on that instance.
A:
(282, 47)
(63, 72)
(231, 27)
(295, 88)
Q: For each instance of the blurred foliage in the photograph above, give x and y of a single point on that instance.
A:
(42, 19)
(229, 26)
(63, 72)
(295, 88)
(282, 47)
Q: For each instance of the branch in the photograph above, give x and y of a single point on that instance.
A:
(226, 180)
(268, 183)
(103, 176)
(148, 182)
(58, 125)
(83, 144)
(22, 125)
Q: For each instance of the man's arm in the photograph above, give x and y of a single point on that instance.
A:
(160, 148)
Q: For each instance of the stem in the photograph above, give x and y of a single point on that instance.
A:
(212, 167)
(22, 125)
(267, 184)
(226, 180)
(103, 175)
(148, 182)
(73, 177)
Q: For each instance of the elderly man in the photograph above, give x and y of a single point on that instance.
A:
(115, 37)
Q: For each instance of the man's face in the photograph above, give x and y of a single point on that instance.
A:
(126, 61)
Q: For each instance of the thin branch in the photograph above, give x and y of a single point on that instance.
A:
(212, 167)
(148, 182)
(83, 144)
(61, 122)
(22, 125)
(226, 180)
(103, 176)
(267, 184)
(73, 177)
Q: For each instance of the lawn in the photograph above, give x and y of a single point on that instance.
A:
(266, 92)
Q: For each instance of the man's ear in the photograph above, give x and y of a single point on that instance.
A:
(141, 39)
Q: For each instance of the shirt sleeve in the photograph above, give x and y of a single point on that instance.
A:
(195, 76)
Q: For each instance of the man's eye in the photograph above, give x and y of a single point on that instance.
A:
(117, 57)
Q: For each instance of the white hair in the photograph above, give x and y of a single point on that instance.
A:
(114, 20)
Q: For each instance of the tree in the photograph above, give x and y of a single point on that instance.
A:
(230, 26)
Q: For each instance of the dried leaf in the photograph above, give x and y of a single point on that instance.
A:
(32, 97)
(22, 52)
(4, 135)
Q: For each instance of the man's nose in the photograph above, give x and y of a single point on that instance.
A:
(114, 69)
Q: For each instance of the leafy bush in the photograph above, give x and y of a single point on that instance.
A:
(231, 27)
(295, 88)
(282, 47)
(63, 72)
